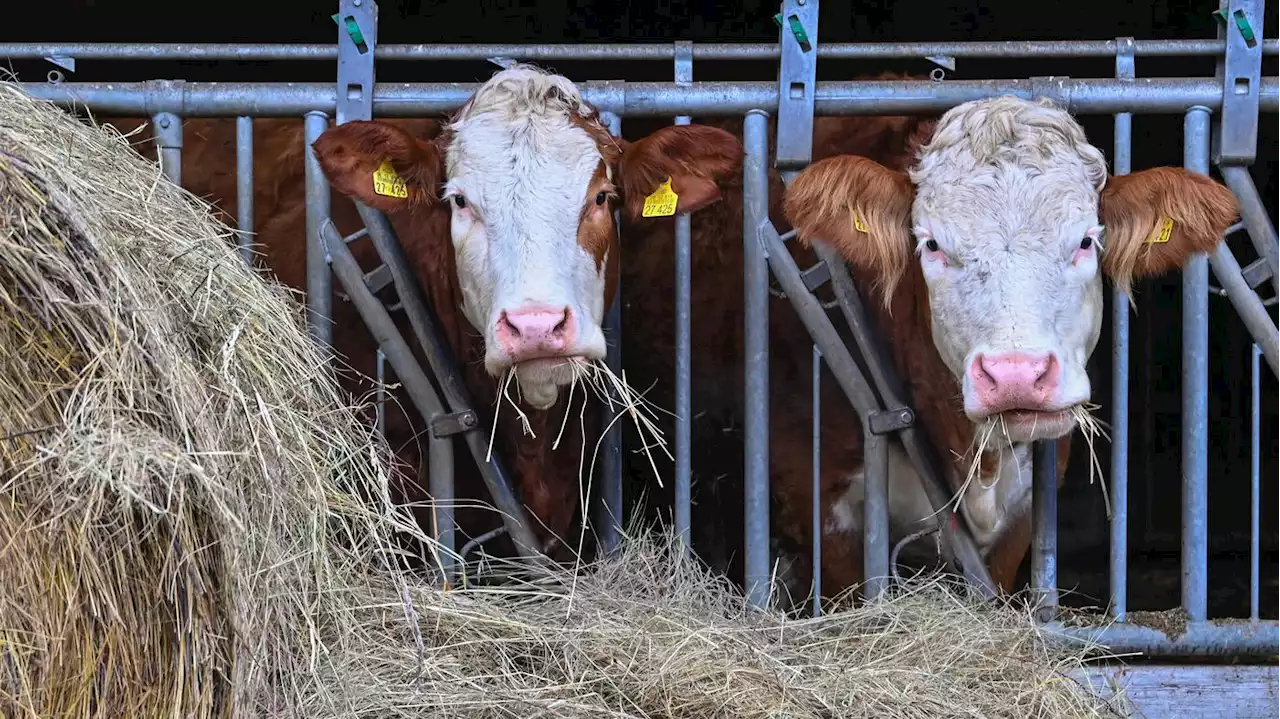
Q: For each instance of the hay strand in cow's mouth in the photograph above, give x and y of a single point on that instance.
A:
(1091, 428)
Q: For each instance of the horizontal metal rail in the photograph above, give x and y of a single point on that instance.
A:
(1231, 637)
(651, 99)
(1008, 49)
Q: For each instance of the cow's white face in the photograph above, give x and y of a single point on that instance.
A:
(529, 192)
(1005, 211)
(531, 178)
(1006, 223)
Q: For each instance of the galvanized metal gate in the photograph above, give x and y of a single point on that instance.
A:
(1231, 102)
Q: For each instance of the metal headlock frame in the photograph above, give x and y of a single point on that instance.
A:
(1238, 92)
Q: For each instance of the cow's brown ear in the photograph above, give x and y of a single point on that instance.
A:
(678, 169)
(380, 165)
(1155, 219)
(862, 208)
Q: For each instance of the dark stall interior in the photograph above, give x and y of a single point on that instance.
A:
(1155, 513)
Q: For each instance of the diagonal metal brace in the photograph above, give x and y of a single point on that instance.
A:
(420, 390)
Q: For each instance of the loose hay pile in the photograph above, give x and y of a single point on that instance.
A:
(182, 534)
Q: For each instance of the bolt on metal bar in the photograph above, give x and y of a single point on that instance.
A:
(651, 99)
(1044, 545)
(684, 337)
(319, 281)
(1005, 49)
(755, 206)
(1255, 473)
(244, 187)
(1122, 164)
(609, 515)
(817, 482)
(1195, 392)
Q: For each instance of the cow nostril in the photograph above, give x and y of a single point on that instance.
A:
(979, 372)
(563, 324)
(505, 323)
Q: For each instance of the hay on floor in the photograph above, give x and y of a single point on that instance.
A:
(193, 523)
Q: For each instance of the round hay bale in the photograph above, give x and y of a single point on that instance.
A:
(175, 455)
(194, 523)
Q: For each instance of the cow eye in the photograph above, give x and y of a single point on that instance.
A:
(1086, 243)
(600, 198)
(931, 245)
(459, 201)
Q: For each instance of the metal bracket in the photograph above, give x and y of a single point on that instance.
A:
(816, 276)
(890, 420)
(357, 37)
(65, 62)
(1126, 68)
(1240, 70)
(447, 425)
(797, 74)
(1053, 87)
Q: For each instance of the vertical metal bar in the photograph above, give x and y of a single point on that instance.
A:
(684, 341)
(817, 481)
(1195, 393)
(440, 484)
(609, 515)
(875, 513)
(244, 187)
(166, 127)
(319, 281)
(755, 210)
(1255, 469)
(1044, 546)
(1121, 165)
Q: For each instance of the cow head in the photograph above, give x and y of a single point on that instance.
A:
(531, 177)
(1010, 214)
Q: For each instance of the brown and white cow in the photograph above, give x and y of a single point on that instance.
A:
(506, 215)
(987, 254)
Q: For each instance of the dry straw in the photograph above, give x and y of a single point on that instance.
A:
(194, 524)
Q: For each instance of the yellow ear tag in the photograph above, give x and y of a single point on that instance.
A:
(387, 182)
(662, 203)
(1162, 231)
(858, 224)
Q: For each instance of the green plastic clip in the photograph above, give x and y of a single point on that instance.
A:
(353, 29)
(1241, 23)
(797, 29)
